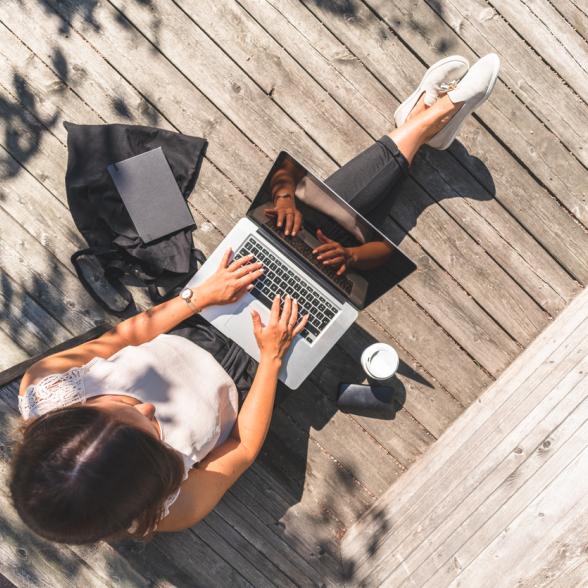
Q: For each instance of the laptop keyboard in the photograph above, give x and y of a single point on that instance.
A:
(278, 278)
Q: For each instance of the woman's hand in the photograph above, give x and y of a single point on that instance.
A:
(275, 337)
(230, 281)
(286, 214)
(332, 253)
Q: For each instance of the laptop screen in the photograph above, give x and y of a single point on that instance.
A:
(339, 244)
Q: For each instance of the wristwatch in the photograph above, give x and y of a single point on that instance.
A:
(186, 295)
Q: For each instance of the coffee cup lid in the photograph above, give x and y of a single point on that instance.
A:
(380, 361)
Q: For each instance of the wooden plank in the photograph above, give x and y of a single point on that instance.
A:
(309, 473)
(557, 552)
(24, 320)
(460, 256)
(525, 72)
(573, 14)
(32, 205)
(228, 543)
(371, 464)
(161, 77)
(181, 559)
(531, 368)
(287, 77)
(5, 582)
(461, 468)
(281, 513)
(551, 37)
(48, 229)
(515, 188)
(470, 481)
(46, 279)
(12, 352)
(574, 577)
(560, 557)
(268, 65)
(564, 500)
(28, 560)
(218, 78)
(271, 553)
(504, 489)
(395, 429)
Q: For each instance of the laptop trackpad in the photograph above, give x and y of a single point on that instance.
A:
(240, 325)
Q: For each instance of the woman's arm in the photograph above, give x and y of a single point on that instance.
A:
(226, 285)
(364, 257)
(207, 483)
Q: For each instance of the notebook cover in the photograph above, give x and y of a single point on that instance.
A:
(151, 195)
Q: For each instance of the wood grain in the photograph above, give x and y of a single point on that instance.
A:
(516, 455)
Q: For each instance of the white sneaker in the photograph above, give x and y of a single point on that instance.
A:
(473, 90)
(439, 78)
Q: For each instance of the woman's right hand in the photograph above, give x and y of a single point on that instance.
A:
(274, 338)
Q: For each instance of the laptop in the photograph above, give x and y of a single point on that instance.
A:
(331, 294)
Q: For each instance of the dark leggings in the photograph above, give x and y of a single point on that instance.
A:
(367, 183)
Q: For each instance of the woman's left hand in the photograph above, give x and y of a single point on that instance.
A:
(230, 281)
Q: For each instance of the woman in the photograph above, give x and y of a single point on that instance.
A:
(95, 460)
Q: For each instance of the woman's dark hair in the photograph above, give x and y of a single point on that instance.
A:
(80, 475)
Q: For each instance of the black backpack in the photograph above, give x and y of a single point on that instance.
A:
(116, 256)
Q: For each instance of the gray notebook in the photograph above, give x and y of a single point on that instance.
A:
(151, 195)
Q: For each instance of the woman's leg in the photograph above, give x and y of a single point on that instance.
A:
(421, 124)
(367, 180)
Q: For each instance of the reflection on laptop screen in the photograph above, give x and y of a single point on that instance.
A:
(339, 243)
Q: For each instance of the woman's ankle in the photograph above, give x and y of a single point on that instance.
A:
(440, 114)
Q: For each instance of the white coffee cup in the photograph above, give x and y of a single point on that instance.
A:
(380, 361)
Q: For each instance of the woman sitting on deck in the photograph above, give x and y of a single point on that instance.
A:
(95, 462)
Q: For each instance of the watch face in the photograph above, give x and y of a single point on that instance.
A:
(186, 294)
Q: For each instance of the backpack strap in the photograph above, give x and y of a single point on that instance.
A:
(110, 277)
(115, 267)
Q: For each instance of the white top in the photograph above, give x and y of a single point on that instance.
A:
(196, 401)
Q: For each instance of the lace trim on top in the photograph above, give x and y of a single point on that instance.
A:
(53, 391)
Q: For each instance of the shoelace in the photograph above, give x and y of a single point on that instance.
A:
(432, 94)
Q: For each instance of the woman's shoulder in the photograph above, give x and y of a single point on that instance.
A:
(53, 391)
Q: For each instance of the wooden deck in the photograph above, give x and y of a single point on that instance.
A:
(497, 225)
(502, 497)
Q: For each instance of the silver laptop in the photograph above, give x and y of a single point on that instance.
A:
(331, 294)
